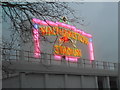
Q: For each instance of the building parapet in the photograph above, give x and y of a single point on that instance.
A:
(49, 59)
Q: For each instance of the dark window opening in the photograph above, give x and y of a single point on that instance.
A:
(113, 83)
(100, 83)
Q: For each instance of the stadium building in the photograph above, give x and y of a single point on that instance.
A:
(58, 56)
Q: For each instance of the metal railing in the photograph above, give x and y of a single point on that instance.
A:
(48, 59)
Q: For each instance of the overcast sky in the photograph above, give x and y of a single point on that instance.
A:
(101, 19)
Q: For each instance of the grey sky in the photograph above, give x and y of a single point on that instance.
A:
(102, 19)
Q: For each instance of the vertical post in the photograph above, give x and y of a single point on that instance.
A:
(105, 65)
(82, 81)
(50, 58)
(80, 63)
(97, 65)
(65, 80)
(83, 61)
(16, 55)
(93, 64)
(21, 54)
(68, 63)
(44, 59)
(63, 62)
(96, 82)
(106, 82)
(22, 80)
(46, 78)
(108, 65)
(115, 66)
(28, 55)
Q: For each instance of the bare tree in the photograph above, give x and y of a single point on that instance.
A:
(18, 12)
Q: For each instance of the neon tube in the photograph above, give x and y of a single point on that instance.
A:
(46, 23)
(86, 34)
(51, 23)
(37, 21)
(57, 57)
(78, 31)
(73, 28)
(68, 26)
(63, 25)
(91, 50)
(36, 43)
(72, 59)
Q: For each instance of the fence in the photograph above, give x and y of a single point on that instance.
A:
(48, 59)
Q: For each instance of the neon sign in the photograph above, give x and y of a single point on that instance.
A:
(61, 29)
(62, 50)
(63, 32)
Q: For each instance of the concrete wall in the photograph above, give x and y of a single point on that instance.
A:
(11, 82)
(55, 81)
(42, 75)
(74, 81)
(89, 82)
(45, 80)
(34, 81)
